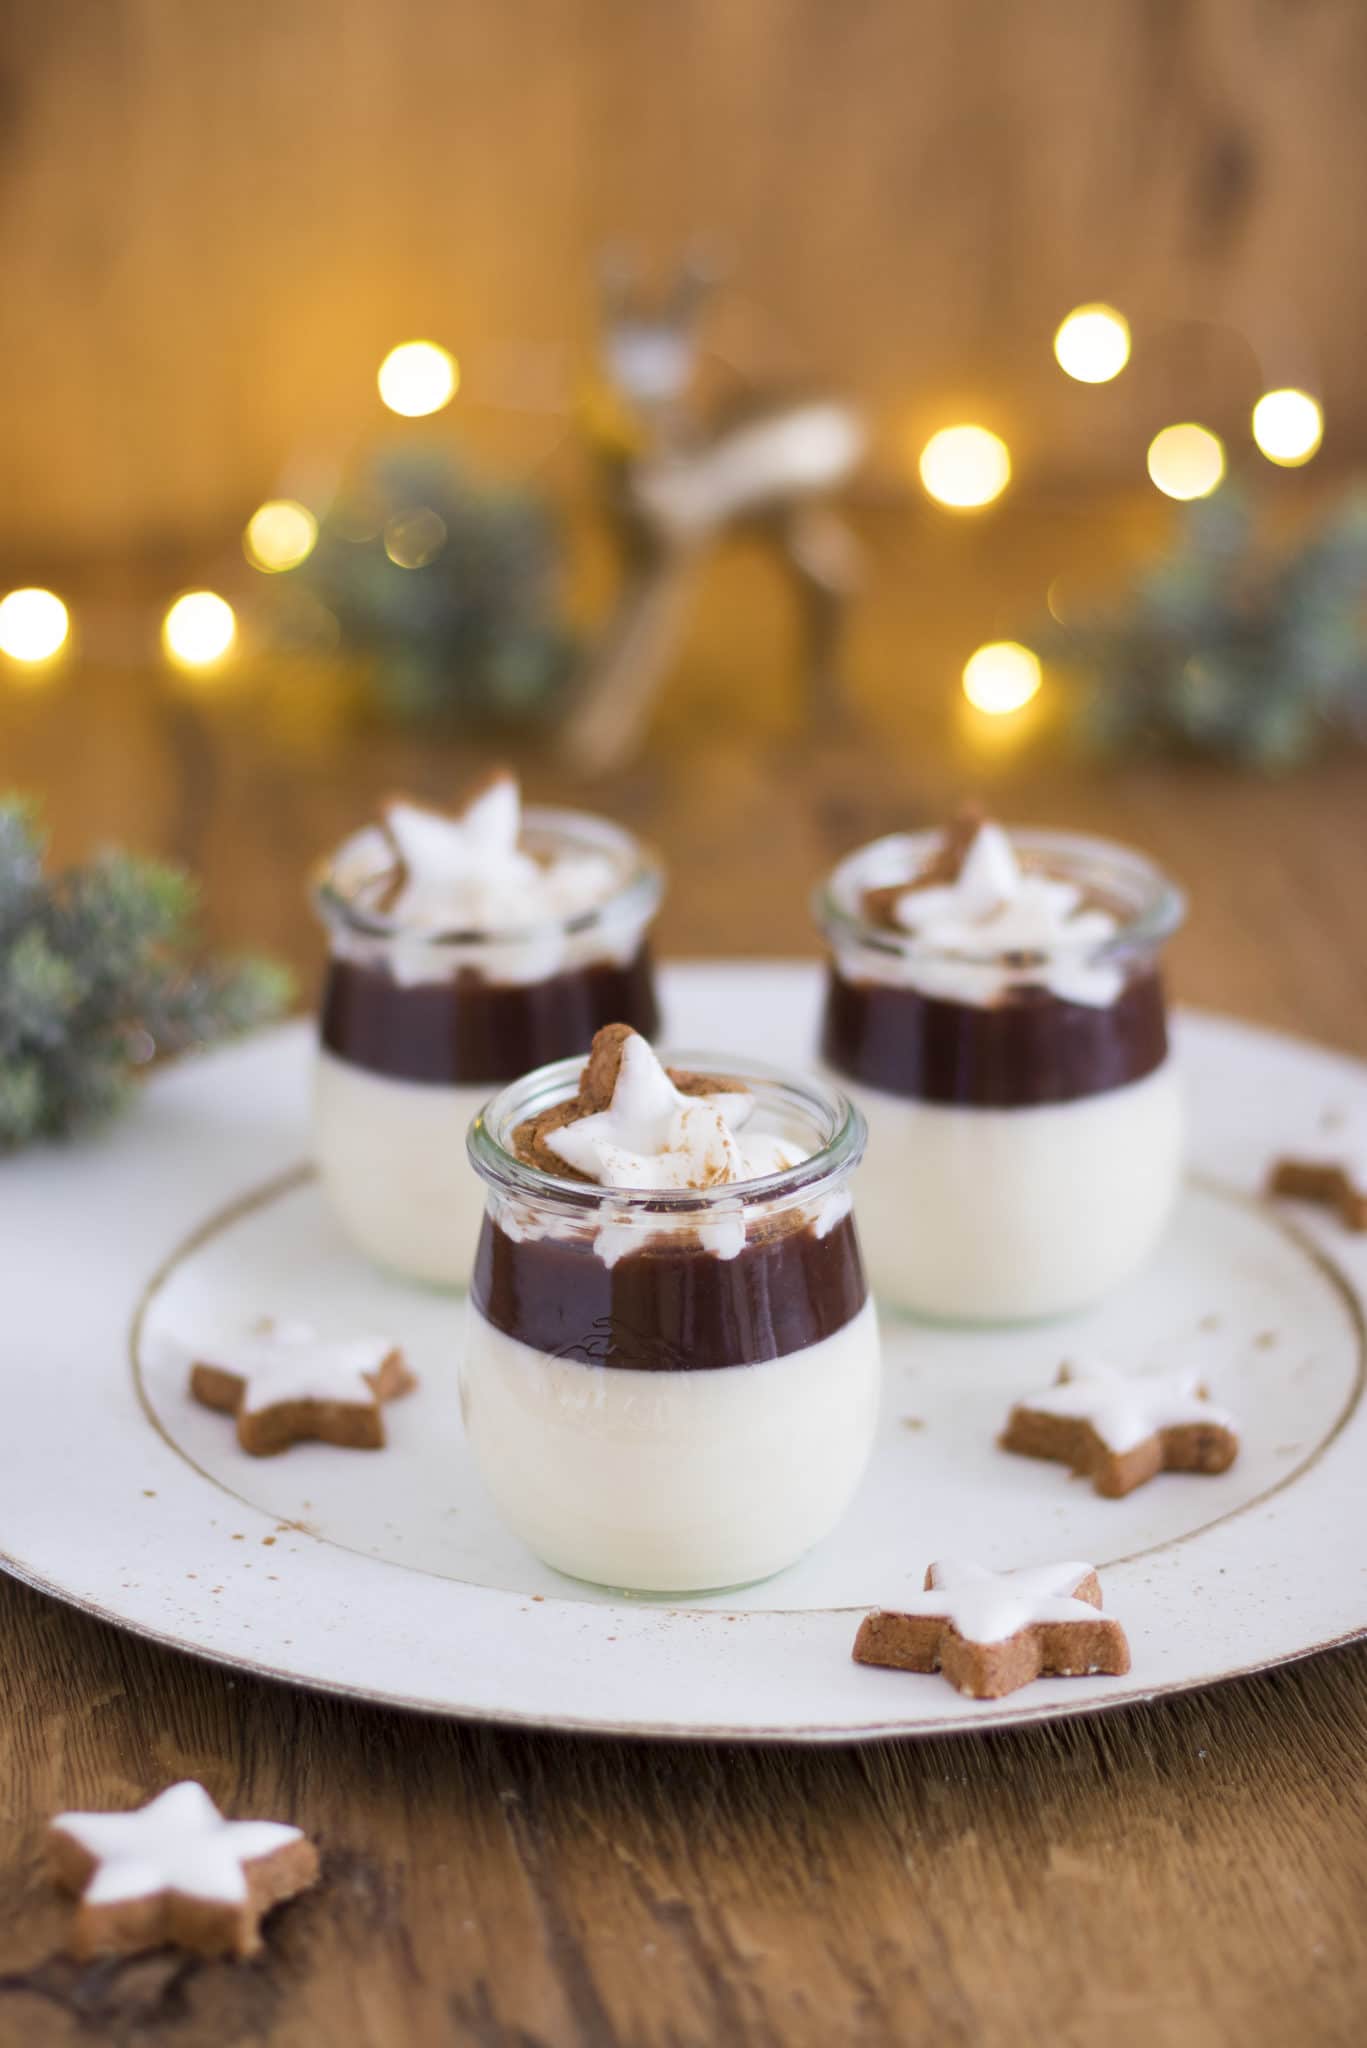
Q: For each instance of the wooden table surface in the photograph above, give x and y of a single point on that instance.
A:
(1188, 1874)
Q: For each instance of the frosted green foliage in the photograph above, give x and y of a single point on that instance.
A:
(1227, 647)
(98, 975)
(474, 630)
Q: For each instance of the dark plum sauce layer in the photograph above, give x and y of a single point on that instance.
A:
(1029, 1048)
(468, 1032)
(672, 1306)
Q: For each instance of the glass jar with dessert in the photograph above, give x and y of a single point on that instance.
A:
(670, 1378)
(995, 1006)
(463, 949)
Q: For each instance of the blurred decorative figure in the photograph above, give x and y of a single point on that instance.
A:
(679, 476)
(447, 587)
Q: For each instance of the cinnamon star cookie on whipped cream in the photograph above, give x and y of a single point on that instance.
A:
(468, 870)
(636, 1124)
(982, 923)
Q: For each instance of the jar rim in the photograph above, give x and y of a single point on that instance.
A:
(1160, 905)
(831, 1163)
(635, 898)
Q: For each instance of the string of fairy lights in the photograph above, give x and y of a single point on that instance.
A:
(967, 467)
(199, 629)
(964, 467)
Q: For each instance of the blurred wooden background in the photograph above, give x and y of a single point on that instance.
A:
(218, 214)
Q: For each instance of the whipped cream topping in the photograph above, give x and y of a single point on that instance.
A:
(987, 1607)
(652, 1135)
(1126, 1409)
(178, 1842)
(998, 925)
(468, 871)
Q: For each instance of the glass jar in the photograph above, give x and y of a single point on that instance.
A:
(1025, 1125)
(672, 1391)
(418, 1028)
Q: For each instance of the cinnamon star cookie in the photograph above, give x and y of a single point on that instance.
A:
(176, 1871)
(992, 1632)
(285, 1384)
(1121, 1429)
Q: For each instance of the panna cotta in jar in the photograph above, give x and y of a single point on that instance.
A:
(463, 949)
(995, 1007)
(671, 1371)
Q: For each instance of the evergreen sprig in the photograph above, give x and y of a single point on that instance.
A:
(98, 975)
(447, 585)
(1226, 648)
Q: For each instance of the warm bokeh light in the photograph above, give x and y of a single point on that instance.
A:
(1061, 598)
(280, 535)
(1186, 461)
(418, 377)
(965, 466)
(199, 629)
(1288, 427)
(413, 539)
(1093, 344)
(1001, 677)
(33, 625)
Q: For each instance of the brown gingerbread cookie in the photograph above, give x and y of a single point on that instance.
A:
(1339, 1184)
(286, 1385)
(945, 864)
(597, 1085)
(176, 1871)
(992, 1632)
(1121, 1429)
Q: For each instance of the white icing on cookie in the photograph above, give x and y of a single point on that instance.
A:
(987, 1607)
(652, 1135)
(178, 1842)
(289, 1361)
(469, 872)
(998, 926)
(1126, 1409)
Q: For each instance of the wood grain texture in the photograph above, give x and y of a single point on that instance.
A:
(218, 217)
(1180, 1876)
(1175, 1876)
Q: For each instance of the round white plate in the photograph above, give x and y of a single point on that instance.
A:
(387, 1576)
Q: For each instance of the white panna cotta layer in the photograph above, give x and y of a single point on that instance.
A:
(1006, 1215)
(393, 1166)
(671, 1482)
